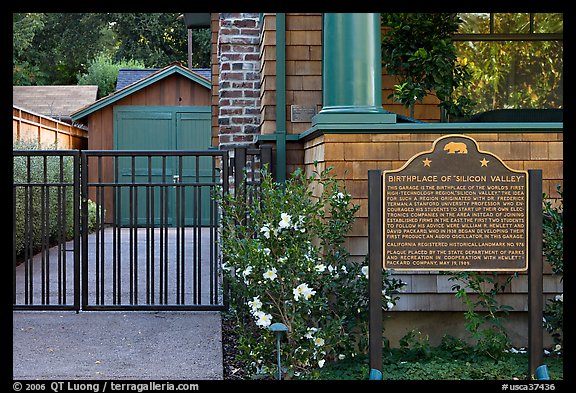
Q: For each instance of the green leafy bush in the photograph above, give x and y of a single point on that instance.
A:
(553, 247)
(487, 326)
(285, 262)
(43, 214)
(453, 359)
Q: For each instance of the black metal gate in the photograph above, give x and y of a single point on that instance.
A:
(122, 230)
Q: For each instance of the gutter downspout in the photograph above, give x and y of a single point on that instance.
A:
(280, 97)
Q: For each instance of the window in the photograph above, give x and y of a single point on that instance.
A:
(516, 59)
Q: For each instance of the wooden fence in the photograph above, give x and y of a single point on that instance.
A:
(30, 126)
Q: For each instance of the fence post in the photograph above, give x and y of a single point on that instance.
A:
(266, 156)
(239, 167)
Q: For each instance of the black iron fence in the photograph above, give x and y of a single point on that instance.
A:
(144, 232)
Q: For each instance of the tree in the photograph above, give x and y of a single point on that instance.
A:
(62, 46)
(418, 48)
(57, 48)
(25, 26)
(157, 39)
(103, 72)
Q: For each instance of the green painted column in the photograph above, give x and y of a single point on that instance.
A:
(352, 66)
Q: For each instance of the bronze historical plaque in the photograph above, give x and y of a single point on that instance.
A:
(302, 113)
(455, 208)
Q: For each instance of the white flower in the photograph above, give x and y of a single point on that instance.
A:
(266, 230)
(321, 363)
(318, 341)
(341, 357)
(247, 271)
(389, 305)
(304, 291)
(263, 319)
(270, 274)
(266, 251)
(320, 268)
(310, 332)
(284, 221)
(226, 266)
(255, 304)
(365, 271)
(343, 268)
(559, 297)
(282, 259)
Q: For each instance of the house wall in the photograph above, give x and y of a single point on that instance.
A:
(304, 74)
(29, 126)
(428, 295)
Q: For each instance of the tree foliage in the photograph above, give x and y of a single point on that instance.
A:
(103, 71)
(514, 74)
(418, 48)
(58, 48)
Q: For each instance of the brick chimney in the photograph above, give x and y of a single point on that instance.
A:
(239, 79)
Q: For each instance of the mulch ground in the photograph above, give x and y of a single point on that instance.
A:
(233, 369)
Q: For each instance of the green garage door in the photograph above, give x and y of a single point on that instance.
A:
(163, 128)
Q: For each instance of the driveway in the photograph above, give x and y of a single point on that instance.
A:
(117, 345)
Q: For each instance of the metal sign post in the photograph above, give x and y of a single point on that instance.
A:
(375, 272)
(535, 271)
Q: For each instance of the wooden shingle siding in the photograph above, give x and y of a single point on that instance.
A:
(352, 155)
(268, 74)
(303, 68)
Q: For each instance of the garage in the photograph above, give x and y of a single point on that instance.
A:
(168, 110)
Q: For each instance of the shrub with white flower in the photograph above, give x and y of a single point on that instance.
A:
(285, 261)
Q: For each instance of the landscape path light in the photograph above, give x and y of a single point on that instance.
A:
(278, 328)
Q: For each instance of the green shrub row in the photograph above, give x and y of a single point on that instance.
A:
(43, 199)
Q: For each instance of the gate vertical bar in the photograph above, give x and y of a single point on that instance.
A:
(535, 271)
(225, 190)
(84, 230)
(61, 219)
(76, 203)
(198, 227)
(375, 238)
(45, 243)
